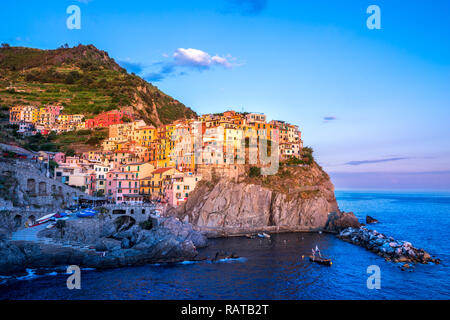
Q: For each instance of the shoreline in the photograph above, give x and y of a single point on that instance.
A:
(198, 257)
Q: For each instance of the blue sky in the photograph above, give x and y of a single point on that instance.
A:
(367, 101)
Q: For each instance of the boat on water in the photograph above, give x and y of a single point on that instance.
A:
(264, 235)
(320, 260)
(86, 213)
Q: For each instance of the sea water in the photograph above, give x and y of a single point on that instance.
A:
(279, 268)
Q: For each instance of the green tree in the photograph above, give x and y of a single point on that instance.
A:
(255, 172)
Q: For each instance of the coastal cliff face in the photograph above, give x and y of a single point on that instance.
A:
(297, 198)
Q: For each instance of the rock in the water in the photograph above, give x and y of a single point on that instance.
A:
(386, 247)
(110, 245)
(12, 259)
(338, 221)
(370, 220)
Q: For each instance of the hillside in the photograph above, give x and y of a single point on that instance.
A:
(84, 80)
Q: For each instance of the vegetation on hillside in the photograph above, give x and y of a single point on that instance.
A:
(302, 175)
(84, 80)
(67, 142)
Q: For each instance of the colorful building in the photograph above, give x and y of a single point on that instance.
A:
(153, 186)
(123, 187)
(180, 186)
(109, 118)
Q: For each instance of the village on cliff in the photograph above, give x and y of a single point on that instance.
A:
(139, 163)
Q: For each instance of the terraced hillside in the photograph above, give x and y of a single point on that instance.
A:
(84, 80)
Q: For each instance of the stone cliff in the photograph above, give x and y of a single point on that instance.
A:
(297, 198)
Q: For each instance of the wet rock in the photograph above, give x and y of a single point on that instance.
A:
(169, 240)
(125, 244)
(338, 221)
(220, 255)
(387, 247)
(100, 246)
(12, 259)
(370, 220)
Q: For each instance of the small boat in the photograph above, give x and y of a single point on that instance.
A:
(50, 226)
(86, 213)
(43, 220)
(60, 216)
(319, 260)
(263, 235)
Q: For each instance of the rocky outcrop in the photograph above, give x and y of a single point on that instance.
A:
(12, 259)
(387, 247)
(338, 221)
(90, 243)
(370, 220)
(298, 201)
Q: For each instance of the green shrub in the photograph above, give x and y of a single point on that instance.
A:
(255, 172)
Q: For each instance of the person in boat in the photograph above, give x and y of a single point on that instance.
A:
(316, 250)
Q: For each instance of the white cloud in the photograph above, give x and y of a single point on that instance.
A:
(222, 61)
(182, 61)
(198, 58)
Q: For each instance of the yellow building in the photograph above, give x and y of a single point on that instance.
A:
(142, 169)
(234, 145)
(144, 136)
(63, 118)
(166, 146)
(29, 114)
(153, 185)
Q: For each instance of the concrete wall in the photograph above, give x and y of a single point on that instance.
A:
(138, 212)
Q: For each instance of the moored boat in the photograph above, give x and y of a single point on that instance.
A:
(86, 213)
(44, 219)
(264, 235)
(320, 260)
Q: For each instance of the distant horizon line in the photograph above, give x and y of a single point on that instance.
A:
(389, 172)
(394, 190)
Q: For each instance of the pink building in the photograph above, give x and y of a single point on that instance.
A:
(91, 184)
(60, 157)
(123, 187)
